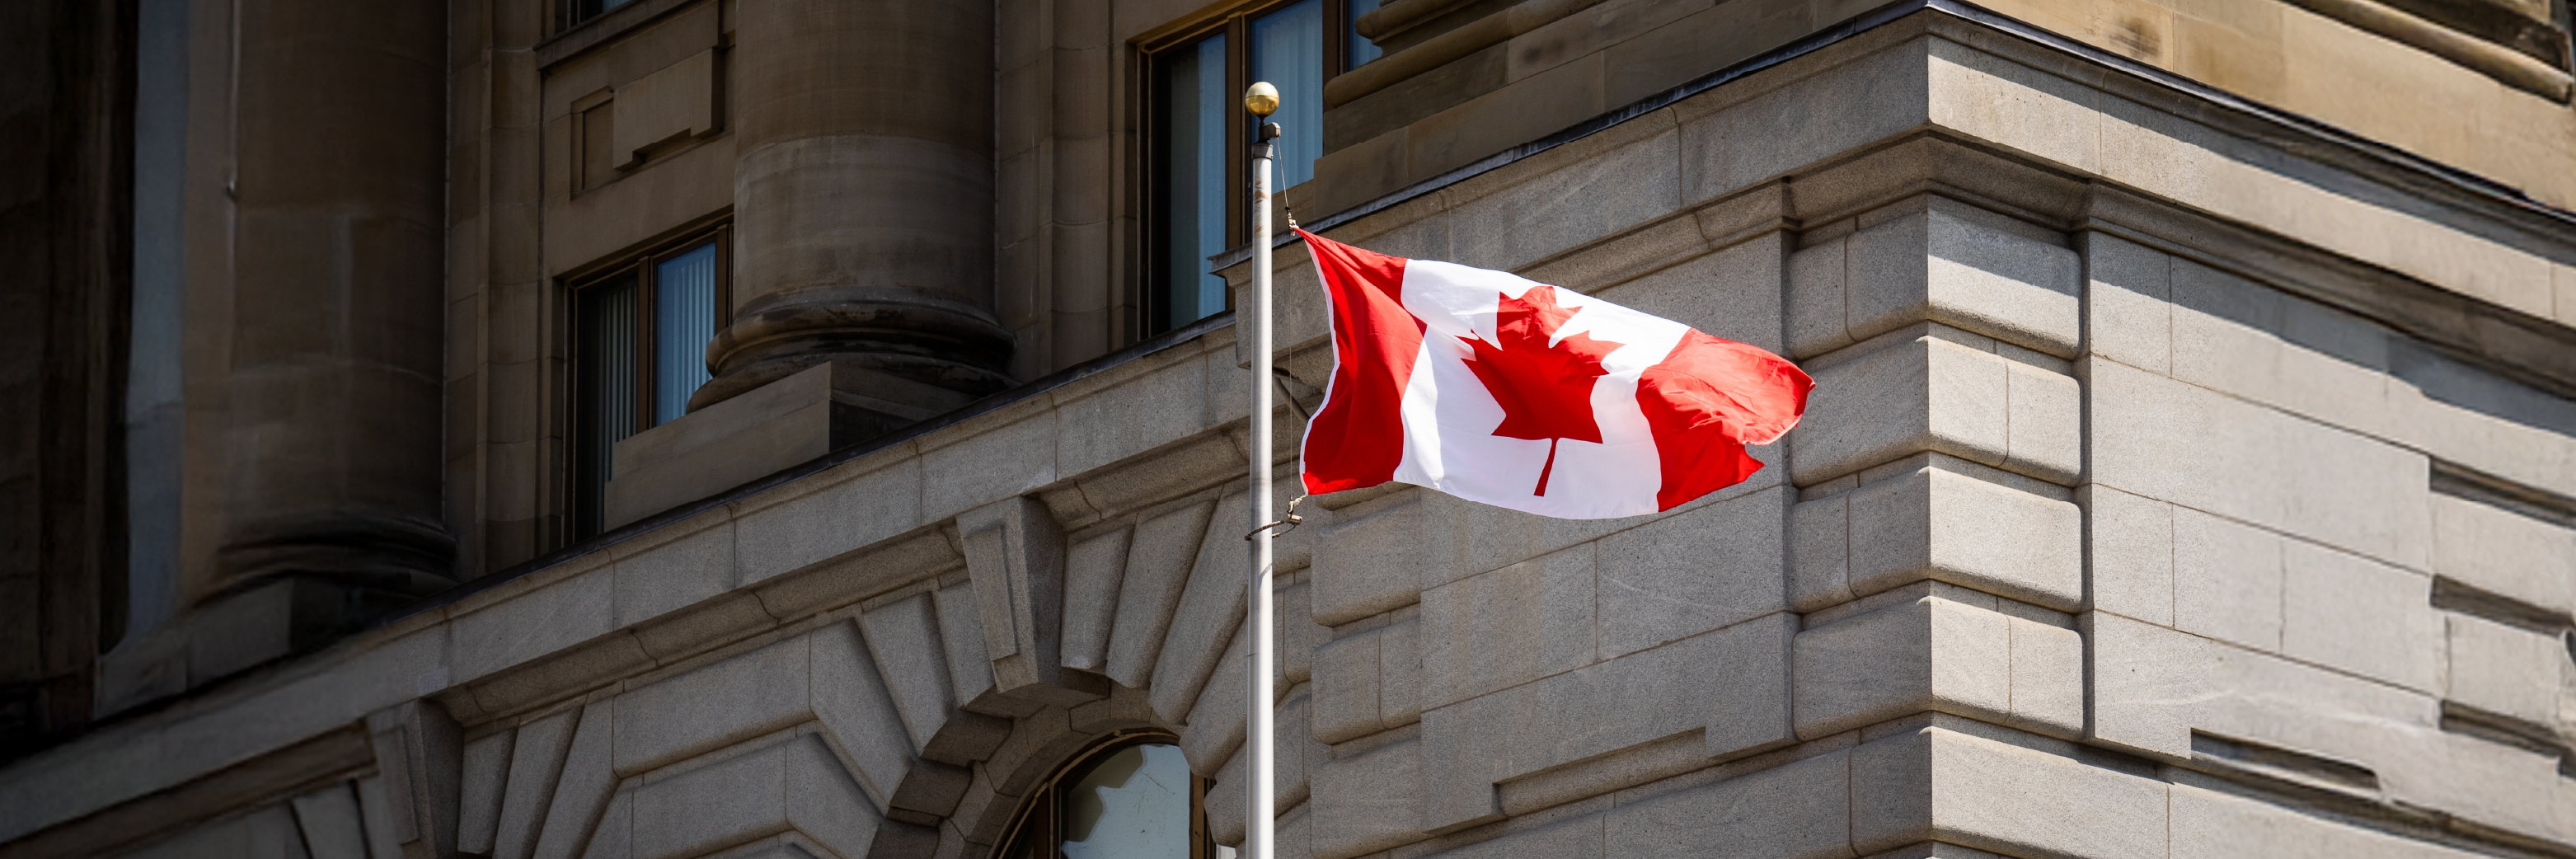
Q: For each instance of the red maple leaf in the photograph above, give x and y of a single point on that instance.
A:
(1545, 390)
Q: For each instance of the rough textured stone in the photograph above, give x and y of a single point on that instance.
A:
(2209, 825)
(1813, 316)
(1140, 414)
(330, 822)
(1298, 635)
(1953, 264)
(822, 801)
(1820, 553)
(2128, 292)
(990, 466)
(962, 642)
(1929, 654)
(2227, 580)
(1732, 293)
(827, 520)
(484, 777)
(903, 638)
(579, 796)
(1347, 677)
(851, 701)
(1015, 563)
(2047, 678)
(2360, 615)
(2043, 432)
(674, 574)
(2504, 670)
(1158, 565)
(1292, 753)
(536, 761)
(1399, 661)
(1929, 393)
(1216, 720)
(2241, 337)
(1369, 802)
(2131, 553)
(1936, 784)
(2503, 552)
(713, 804)
(545, 621)
(1801, 809)
(1211, 609)
(1360, 566)
(1732, 684)
(1508, 626)
(1936, 524)
(1679, 576)
(729, 701)
(2158, 691)
(1093, 569)
(2172, 442)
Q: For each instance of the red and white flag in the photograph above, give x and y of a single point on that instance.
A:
(1495, 388)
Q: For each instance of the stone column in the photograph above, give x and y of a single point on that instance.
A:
(864, 196)
(328, 449)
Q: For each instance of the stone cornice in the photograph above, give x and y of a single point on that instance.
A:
(2305, 137)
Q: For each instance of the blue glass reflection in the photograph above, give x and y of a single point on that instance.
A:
(1288, 51)
(684, 320)
(1194, 98)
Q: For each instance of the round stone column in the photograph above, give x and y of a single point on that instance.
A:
(319, 354)
(863, 198)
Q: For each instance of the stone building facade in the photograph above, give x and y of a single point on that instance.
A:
(806, 428)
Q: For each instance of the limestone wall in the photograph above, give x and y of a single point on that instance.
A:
(2169, 491)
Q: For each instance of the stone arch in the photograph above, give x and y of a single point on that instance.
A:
(992, 647)
(1043, 748)
(1121, 623)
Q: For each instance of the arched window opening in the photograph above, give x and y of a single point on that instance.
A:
(1132, 797)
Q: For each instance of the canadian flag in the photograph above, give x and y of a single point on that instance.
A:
(1495, 388)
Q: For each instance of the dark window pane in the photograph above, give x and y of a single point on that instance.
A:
(607, 368)
(1361, 49)
(1130, 804)
(684, 319)
(1288, 51)
(1191, 104)
(583, 10)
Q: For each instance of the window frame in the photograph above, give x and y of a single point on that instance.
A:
(1041, 806)
(1235, 23)
(569, 14)
(587, 497)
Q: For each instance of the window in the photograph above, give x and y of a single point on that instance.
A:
(639, 343)
(1200, 135)
(577, 11)
(1131, 799)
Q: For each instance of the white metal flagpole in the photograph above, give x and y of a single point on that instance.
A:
(1261, 99)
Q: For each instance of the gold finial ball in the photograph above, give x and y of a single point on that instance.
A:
(1262, 99)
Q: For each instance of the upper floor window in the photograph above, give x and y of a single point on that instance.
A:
(1136, 800)
(577, 11)
(639, 344)
(1200, 135)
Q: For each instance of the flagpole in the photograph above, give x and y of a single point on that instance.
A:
(1262, 99)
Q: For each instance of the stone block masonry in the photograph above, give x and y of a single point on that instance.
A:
(2136, 515)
